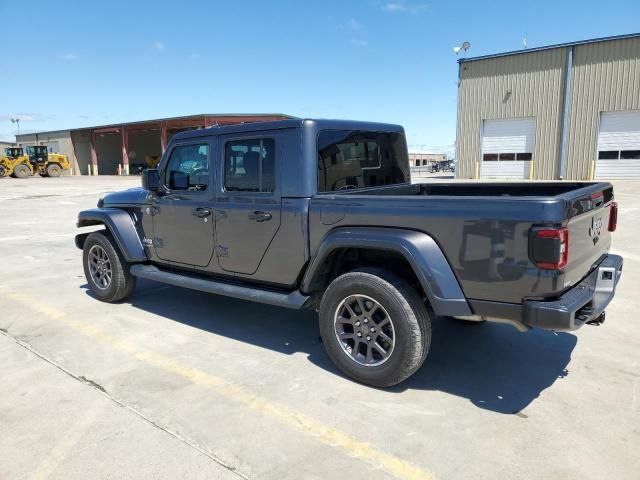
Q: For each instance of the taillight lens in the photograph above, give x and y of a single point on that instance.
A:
(613, 217)
(550, 248)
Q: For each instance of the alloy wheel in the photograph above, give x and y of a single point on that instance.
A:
(364, 330)
(100, 267)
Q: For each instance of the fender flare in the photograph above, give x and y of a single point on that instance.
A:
(419, 249)
(120, 225)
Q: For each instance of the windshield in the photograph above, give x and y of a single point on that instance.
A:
(350, 159)
(13, 151)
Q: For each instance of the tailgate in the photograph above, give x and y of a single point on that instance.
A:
(589, 211)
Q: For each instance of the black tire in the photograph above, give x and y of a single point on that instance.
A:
(21, 171)
(120, 282)
(409, 318)
(3, 172)
(54, 170)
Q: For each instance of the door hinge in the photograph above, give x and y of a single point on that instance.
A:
(222, 251)
(152, 210)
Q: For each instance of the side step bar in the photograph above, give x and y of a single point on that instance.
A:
(294, 300)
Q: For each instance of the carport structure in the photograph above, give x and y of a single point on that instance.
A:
(127, 147)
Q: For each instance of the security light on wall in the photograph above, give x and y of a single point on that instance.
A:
(462, 48)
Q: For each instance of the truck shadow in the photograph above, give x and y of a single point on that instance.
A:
(494, 366)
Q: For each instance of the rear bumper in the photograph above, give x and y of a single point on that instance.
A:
(581, 304)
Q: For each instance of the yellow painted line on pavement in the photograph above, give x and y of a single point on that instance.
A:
(66, 442)
(326, 434)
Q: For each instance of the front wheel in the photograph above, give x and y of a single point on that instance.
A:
(374, 326)
(21, 171)
(3, 172)
(105, 268)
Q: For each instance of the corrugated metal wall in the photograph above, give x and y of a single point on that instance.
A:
(606, 77)
(536, 83)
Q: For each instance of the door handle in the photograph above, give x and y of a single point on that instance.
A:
(201, 212)
(260, 216)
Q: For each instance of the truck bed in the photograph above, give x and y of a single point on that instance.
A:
(483, 228)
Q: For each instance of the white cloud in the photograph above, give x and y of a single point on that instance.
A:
(69, 56)
(449, 148)
(351, 24)
(359, 42)
(158, 45)
(23, 117)
(401, 6)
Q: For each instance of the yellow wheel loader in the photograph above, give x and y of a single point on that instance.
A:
(15, 163)
(47, 164)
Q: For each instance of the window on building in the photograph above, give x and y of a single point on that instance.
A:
(619, 154)
(249, 165)
(188, 168)
(630, 154)
(507, 157)
(608, 155)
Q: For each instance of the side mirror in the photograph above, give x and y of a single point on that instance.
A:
(150, 179)
(178, 180)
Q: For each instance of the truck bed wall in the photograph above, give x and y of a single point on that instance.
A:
(485, 239)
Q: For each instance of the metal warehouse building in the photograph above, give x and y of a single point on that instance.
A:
(106, 149)
(567, 111)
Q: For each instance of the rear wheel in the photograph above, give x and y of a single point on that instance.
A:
(105, 268)
(21, 171)
(374, 326)
(54, 170)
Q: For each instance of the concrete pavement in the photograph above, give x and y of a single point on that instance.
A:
(181, 384)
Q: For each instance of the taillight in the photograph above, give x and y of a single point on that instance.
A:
(613, 217)
(550, 247)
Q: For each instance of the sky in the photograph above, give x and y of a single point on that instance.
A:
(68, 64)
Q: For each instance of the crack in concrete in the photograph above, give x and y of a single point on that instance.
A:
(103, 391)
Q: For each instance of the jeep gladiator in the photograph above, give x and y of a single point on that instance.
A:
(321, 214)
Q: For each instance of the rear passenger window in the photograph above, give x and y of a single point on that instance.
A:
(249, 165)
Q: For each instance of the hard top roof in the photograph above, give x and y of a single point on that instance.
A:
(317, 124)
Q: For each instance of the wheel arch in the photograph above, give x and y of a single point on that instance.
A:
(120, 225)
(417, 250)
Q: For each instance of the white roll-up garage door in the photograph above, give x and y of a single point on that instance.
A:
(507, 147)
(619, 145)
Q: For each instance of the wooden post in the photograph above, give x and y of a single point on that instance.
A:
(124, 136)
(163, 136)
(94, 155)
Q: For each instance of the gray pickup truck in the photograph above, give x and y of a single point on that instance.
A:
(321, 214)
